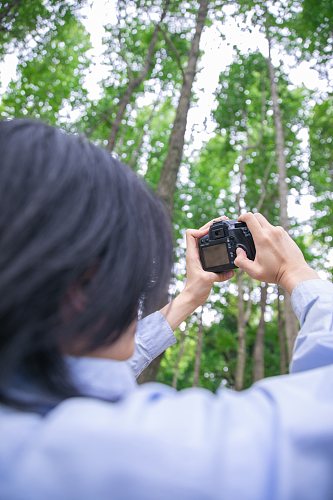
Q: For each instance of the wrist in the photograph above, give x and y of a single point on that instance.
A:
(179, 309)
(190, 296)
(291, 278)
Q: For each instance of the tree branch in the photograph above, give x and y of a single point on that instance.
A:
(174, 50)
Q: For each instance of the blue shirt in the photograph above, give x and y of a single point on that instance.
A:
(273, 441)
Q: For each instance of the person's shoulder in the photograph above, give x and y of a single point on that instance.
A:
(85, 447)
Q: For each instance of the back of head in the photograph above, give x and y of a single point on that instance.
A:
(70, 213)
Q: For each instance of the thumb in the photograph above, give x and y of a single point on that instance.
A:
(244, 263)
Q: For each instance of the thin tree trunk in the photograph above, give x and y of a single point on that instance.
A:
(291, 324)
(198, 352)
(135, 155)
(241, 319)
(290, 319)
(282, 338)
(279, 143)
(135, 82)
(167, 183)
(241, 350)
(179, 357)
(239, 195)
(258, 355)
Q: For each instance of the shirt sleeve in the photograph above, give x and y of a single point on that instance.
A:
(312, 302)
(153, 336)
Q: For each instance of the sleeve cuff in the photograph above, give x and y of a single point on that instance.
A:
(307, 291)
(155, 334)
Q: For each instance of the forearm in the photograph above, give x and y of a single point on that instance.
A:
(179, 309)
(155, 332)
(313, 305)
(295, 276)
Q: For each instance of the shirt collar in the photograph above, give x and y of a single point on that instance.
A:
(101, 378)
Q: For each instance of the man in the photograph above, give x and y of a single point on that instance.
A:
(114, 439)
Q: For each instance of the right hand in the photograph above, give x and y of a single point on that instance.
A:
(278, 258)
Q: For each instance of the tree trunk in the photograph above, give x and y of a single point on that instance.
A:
(282, 338)
(290, 319)
(241, 351)
(258, 355)
(179, 357)
(198, 352)
(135, 82)
(243, 316)
(167, 183)
(132, 162)
(279, 144)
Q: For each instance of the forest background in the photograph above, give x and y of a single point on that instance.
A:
(206, 100)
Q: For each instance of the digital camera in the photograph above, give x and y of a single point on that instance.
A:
(218, 248)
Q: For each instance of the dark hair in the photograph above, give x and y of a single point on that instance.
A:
(67, 207)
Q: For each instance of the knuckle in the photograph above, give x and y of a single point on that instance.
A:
(245, 216)
(279, 231)
(264, 237)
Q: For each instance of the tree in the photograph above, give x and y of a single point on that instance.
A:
(21, 21)
(137, 77)
(152, 54)
(169, 172)
(52, 77)
(321, 171)
(311, 33)
(241, 113)
(290, 320)
(167, 183)
(258, 355)
(198, 352)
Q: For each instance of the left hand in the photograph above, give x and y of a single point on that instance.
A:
(199, 282)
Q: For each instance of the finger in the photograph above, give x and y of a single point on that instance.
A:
(224, 276)
(192, 251)
(208, 224)
(252, 223)
(262, 221)
(246, 264)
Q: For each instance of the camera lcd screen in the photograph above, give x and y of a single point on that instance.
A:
(216, 255)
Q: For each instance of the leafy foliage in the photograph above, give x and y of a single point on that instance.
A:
(53, 76)
(236, 165)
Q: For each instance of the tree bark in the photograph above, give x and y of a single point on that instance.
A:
(179, 357)
(243, 317)
(132, 162)
(290, 319)
(258, 355)
(198, 352)
(135, 82)
(167, 184)
(241, 351)
(281, 334)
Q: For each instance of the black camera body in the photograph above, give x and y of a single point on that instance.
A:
(217, 249)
